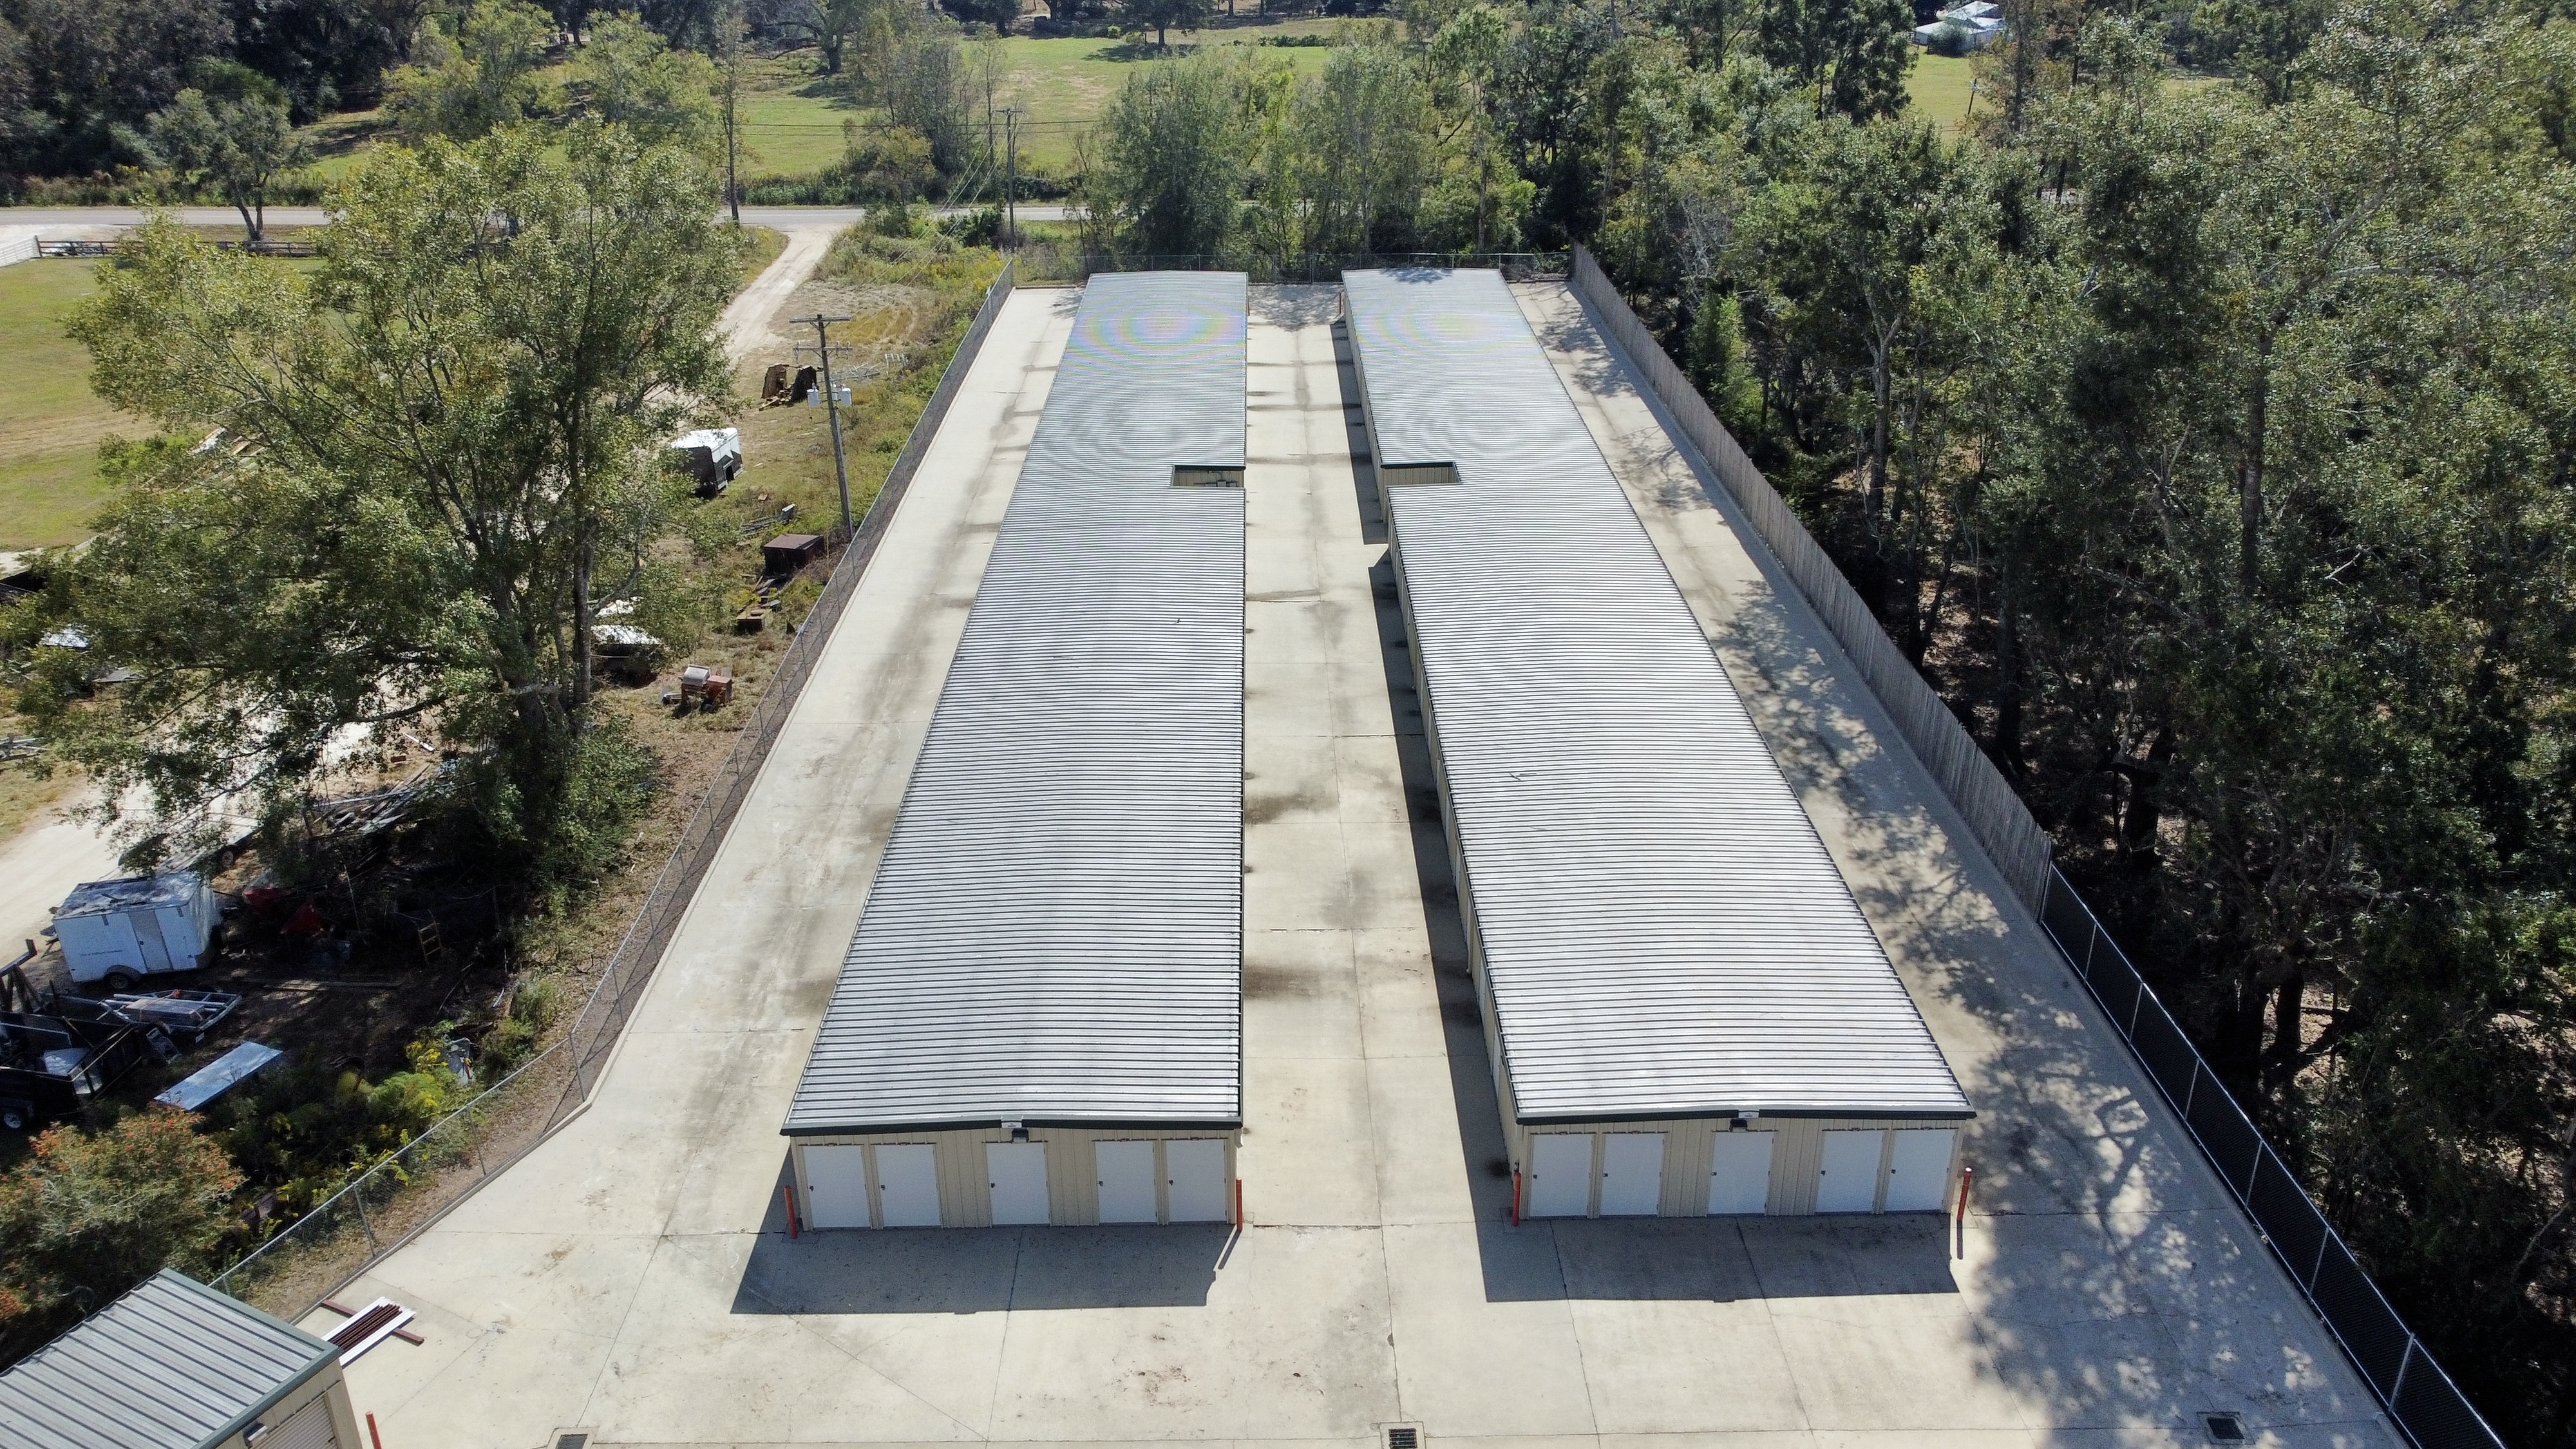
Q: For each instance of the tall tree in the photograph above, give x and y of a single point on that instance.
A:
(1162, 15)
(632, 80)
(1853, 54)
(1362, 132)
(92, 66)
(449, 433)
(86, 1216)
(1170, 179)
(239, 145)
(473, 73)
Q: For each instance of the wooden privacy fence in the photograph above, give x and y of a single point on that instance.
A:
(2420, 1398)
(1994, 814)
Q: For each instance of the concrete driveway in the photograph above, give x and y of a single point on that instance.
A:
(633, 1277)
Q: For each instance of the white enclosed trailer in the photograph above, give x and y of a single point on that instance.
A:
(120, 931)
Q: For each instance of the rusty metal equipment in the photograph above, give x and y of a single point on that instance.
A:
(789, 552)
(707, 686)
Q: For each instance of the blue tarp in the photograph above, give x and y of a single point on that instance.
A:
(217, 1077)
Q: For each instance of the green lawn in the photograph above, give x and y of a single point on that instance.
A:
(792, 119)
(1937, 89)
(339, 141)
(50, 423)
(791, 116)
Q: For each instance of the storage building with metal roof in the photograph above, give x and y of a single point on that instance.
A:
(176, 1365)
(1040, 1016)
(1687, 1011)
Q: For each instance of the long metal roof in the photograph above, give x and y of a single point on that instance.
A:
(1663, 932)
(171, 1365)
(1056, 931)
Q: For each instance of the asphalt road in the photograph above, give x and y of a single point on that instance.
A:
(783, 218)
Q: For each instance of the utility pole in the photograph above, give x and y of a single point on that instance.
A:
(1011, 183)
(832, 409)
(732, 80)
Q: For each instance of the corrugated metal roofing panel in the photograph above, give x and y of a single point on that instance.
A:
(1056, 931)
(1663, 931)
(171, 1365)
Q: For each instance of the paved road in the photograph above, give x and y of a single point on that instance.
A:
(39, 866)
(751, 322)
(48, 220)
(633, 1275)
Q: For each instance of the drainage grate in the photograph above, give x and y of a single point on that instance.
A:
(2224, 1428)
(572, 1441)
(1406, 1437)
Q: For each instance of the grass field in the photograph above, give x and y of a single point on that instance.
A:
(1937, 89)
(50, 422)
(791, 117)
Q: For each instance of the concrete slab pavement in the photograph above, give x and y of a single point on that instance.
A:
(633, 1277)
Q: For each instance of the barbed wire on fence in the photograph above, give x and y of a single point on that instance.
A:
(402, 1193)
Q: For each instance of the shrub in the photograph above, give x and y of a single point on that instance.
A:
(87, 1216)
(305, 1130)
(896, 219)
(978, 228)
(532, 1010)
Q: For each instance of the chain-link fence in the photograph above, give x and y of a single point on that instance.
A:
(402, 1194)
(2419, 1395)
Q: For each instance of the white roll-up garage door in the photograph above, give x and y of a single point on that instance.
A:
(1560, 1176)
(1848, 1182)
(1918, 1171)
(1739, 1174)
(1019, 1178)
(1197, 1185)
(1126, 1178)
(908, 1185)
(836, 1187)
(1632, 1174)
(309, 1427)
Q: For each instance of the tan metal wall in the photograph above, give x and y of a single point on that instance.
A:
(965, 1192)
(1797, 1154)
(330, 1386)
(1994, 814)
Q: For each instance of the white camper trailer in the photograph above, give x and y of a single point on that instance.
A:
(120, 931)
(712, 456)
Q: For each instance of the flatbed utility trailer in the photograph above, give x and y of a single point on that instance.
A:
(57, 1052)
(187, 1014)
(52, 1066)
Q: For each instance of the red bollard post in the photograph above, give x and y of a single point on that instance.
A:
(372, 1436)
(788, 1192)
(1967, 1175)
(1238, 1202)
(1516, 1197)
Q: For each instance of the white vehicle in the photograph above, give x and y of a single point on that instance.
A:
(120, 931)
(711, 455)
